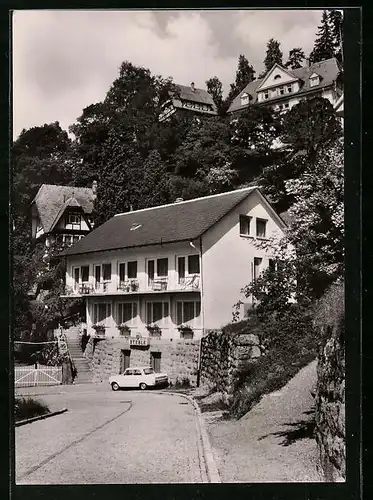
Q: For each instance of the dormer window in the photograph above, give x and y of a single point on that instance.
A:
(244, 99)
(73, 219)
(314, 80)
(277, 77)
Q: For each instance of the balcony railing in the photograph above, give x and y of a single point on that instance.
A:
(131, 285)
(158, 284)
(101, 287)
(189, 283)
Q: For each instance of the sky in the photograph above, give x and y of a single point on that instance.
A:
(65, 60)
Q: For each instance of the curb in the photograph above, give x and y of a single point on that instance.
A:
(40, 417)
(212, 471)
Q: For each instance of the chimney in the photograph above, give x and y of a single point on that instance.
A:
(179, 200)
(192, 87)
(307, 62)
(94, 188)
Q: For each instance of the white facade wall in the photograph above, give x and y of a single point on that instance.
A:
(145, 294)
(227, 263)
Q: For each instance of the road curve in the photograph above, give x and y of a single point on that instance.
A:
(125, 437)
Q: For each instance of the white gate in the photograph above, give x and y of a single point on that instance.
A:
(35, 377)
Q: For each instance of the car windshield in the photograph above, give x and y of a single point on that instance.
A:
(148, 371)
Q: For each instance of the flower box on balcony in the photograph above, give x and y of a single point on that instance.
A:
(124, 330)
(186, 332)
(154, 330)
(99, 329)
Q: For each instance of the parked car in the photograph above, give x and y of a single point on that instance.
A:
(139, 376)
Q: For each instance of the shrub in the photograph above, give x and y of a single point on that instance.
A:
(184, 383)
(25, 408)
(291, 343)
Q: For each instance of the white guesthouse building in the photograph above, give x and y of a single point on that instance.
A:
(174, 265)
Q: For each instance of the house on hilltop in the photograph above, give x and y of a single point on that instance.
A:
(190, 100)
(282, 88)
(62, 214)
(161, 269)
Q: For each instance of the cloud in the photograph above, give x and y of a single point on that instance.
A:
(65, 60)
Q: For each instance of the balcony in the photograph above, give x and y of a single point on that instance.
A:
(158, 284)
(189, 283)
(131, 285)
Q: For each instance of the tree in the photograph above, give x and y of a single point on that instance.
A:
(206, 145)
(310, 125)
(317, 228)
(245, 74)
(39, 153)
(336, 25)
(296, 56)
(273, 55)
(252, 136)
(324, 43)
(215, 88)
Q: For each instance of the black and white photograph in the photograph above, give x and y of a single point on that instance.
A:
(178, 246)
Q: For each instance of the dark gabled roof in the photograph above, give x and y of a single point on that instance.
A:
(198, 96)
(52, 200)
(328, 71)
(165, 224)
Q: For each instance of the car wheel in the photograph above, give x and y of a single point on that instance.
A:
(143, 386)
(114, 386)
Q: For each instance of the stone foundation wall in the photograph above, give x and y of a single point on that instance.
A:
(330, 430)
(223, 356)
(179, 358)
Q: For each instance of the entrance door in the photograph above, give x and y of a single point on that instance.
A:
(124, 360)
(155, 360)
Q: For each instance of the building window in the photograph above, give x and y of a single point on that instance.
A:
(245, 225)
(81, 276)
(282, 91)
(73, 219)
(314, 81)
(127, 312)
(261, 228)
(106, 272)
(157, 312)
(290, 89)
(244, 99)
(101, 313)
(266, 94)
(193, 264)
(188, 312)
(131, 268)
(162, 267)
(286, 105)
(277, 77)
(97, 276)
(257, 267)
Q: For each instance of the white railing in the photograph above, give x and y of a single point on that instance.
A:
(158, 284)
(189, 283)
(36, 377)
(131, 285)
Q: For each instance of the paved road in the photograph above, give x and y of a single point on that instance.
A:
(110, 437)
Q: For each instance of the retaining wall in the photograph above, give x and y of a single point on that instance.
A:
(223, 356)
(179, 358)
(330, 429)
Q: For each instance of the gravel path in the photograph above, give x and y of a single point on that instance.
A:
(110, 438)
(273, 442)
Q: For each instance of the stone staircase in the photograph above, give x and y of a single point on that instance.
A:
(84, 374)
